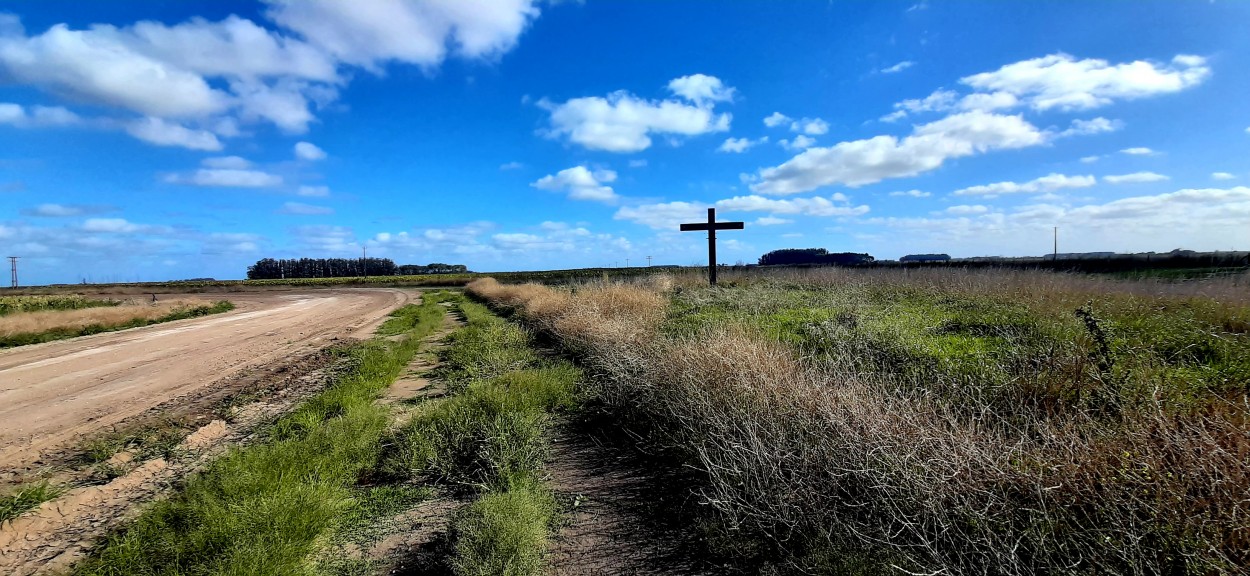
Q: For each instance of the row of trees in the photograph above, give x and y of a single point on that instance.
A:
(801, 256)
(270, 268)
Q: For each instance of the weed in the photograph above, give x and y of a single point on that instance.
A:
(503, 533)
(27, 498)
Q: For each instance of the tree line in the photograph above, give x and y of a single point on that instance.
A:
(271, 268)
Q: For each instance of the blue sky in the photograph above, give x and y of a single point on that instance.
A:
(162, 140)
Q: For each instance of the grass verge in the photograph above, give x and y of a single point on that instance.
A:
(61, 333)
(266, 508)
(491, 438)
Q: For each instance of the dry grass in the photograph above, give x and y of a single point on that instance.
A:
(800, 447)
(30, 322)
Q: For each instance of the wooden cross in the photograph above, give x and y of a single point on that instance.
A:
(711, 226)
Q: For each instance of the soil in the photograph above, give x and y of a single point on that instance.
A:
(52, 395)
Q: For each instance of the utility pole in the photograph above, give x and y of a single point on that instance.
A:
(627, 262)
(13, 268)
(364, 262)
(648, 261)
(1056, 256)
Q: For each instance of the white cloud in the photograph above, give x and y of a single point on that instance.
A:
(738, 145)
(227, 162)
(369, 33)
(301, 209)
(988, 101)
(810, 126)
(580, 183)
(771, 221)
(1048, 183)
(111, 226)
(309, 151)
(227, 177)
(860, 162)
(701, 89)
(800, 142)
(1065, 83)
(64, 210)
(836, 205)
(665, 216)
(669, 215)
(912, 193)
(1222, 176)
(162, 133)
(1090, 159)
(314, 191)
(38, 116)
(901, 66)
(1139, 151)
(1097, 125)
(963, 210)
(622, 122)
(1134, 178)
(777, 119)
(938, 101)
(511, 166)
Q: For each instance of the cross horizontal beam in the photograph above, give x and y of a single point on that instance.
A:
(716, 226)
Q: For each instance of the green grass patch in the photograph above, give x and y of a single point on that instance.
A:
(267, 508)
(492, 436)
(27, 498)
(503, 533)
(26, 338)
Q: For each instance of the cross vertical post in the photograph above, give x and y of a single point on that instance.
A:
(712, 226)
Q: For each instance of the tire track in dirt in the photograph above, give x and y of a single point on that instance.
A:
(53, 394)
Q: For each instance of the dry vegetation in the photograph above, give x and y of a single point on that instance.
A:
(984, 422)
(44, 320)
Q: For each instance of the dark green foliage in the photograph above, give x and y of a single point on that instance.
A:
(27, 498)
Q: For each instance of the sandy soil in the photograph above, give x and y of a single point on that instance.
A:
(53, 394)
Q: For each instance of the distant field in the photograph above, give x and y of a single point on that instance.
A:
(33, 303)
(972, 421)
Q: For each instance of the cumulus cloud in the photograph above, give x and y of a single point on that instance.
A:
(309, 151)
(1139, 151)
(1062, 82)
(860, 162)
(622, 122)
(162, 133)
(772, 221)
(800, 142)
(1134, 178)
(911, 193)
(963, 210)
(121, 226)
(227, 162)
(301, 209)
(580, 183)
(669, 215)
(1222, 176)
(739, 145)
(228, 178)
(213, 75)
(37, 116)
(1097, 125)
(777, 119)
(901, 66)
(370, 33)
(811, 126)
(701, 89)
(1048, 183)
(1090, 159)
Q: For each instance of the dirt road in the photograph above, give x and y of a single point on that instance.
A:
(52, 394)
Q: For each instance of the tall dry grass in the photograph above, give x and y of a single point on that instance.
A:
(801, 450)
(43, 321)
